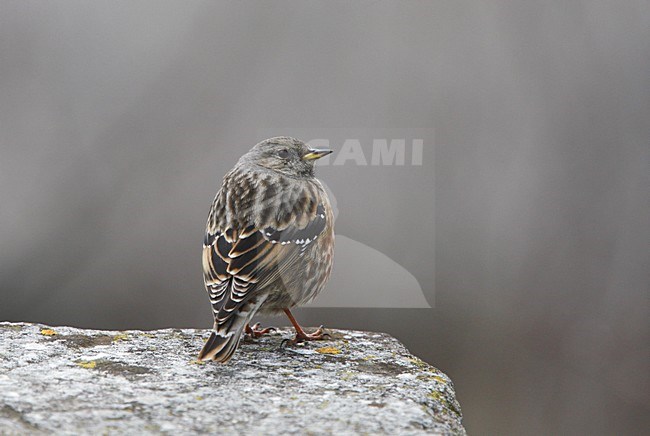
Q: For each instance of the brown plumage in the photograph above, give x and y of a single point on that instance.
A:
(269, 241)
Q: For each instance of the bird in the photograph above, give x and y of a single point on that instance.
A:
(269, 243)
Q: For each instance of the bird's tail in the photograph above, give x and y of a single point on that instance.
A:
(224, 339)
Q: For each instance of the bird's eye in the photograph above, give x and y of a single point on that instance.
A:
(283, 154)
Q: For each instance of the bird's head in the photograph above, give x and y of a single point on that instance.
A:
(285, 155)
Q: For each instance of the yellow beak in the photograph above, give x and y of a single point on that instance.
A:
(313, 154)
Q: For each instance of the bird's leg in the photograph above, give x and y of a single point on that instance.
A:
(301, 336)
(256, 331)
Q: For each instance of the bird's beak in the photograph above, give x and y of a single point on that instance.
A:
(314, 154)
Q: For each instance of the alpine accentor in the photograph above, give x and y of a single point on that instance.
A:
(268, 243)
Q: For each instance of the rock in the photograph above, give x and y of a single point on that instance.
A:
(70, 381)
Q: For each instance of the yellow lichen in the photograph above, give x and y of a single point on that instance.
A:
(417, 362)
(48, 332)
(91, 364)
(328, 350)
(120, 337)
(436, 378)
(197, 362)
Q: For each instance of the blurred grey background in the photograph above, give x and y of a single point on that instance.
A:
(118, 120)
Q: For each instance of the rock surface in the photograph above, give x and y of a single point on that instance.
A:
(76, 381)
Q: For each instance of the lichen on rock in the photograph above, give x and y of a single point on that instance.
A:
(88, 381)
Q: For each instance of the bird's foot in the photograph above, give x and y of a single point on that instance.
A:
(256, 331)
(319, 335)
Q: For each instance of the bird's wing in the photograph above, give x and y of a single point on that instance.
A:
(240, 256)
